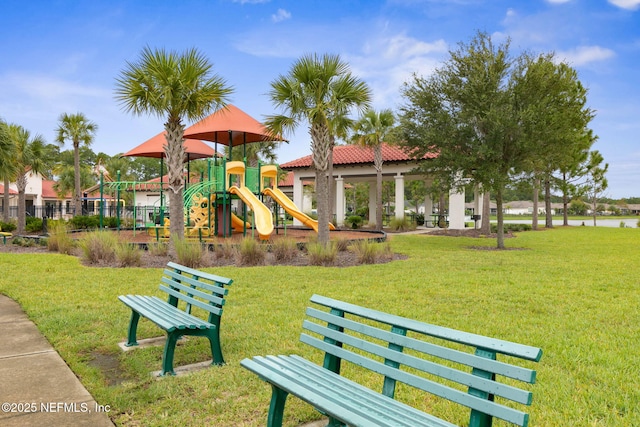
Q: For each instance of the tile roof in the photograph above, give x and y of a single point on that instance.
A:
(48, 192)
(355, 154)
(11, 190)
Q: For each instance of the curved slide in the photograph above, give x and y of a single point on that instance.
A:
(280, 198)
(238, 224)
(261, 213)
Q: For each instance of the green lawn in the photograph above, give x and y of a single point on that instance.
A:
(574, 292)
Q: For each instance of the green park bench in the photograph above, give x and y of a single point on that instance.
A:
(427, 357)
(189, 291)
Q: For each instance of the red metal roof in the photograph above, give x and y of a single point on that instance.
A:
(355, 154)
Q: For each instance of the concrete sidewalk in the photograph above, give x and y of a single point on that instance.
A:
(37, 388)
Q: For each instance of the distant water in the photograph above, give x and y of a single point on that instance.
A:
(600, 222)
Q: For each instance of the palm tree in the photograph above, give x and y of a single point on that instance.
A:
(30, 156)
(370, 131)
(318, 91)
(172, 86)
(79, 130)
(7, 165)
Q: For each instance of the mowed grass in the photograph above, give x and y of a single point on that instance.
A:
(574, 292)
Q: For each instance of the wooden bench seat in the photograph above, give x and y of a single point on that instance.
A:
(426, 357)
(188, 290)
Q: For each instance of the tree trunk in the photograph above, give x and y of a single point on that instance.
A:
(377, 161)
(547, 203)
(174, 152)
(485, 222)
(331, 185)
(536, 195)
(320, 152)
(500, 233)
(5, 203)
(21, 183)
(565, 202)
(77, 202)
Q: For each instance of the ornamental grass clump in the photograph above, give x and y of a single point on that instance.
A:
(128, 255)
(284, 249)
(401, 224)
(366, 251)
(59, 238)
(251, 252)
(190, 254)
(322, 255)
(99, 246)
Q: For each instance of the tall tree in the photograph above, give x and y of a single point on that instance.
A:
(466, 113)
(30, 157)
(319, 91)
(371, 131)
(554, 118)
(77, 129)
(596, 181)
(7, 165)
(174, 86)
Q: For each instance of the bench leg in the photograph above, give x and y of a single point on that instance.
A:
(216, 350)
(133, 328)
(167, 356)
(276, 408)
(335, 423)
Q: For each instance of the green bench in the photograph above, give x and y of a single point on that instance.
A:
(189, 291)
(398, 350)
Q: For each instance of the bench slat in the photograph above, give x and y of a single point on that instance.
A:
(163, 314)
(452, 374)
(336, 395)
(515, 372)
(194, 292)
(499, 346)
(364, 395)
(199, 273)
(485, 406)
(211, 287)
(208, 307)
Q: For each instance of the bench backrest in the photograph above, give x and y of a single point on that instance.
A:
(424, 359)
(195, 288)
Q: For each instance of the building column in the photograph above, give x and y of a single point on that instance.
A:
(456, 210)
(399, 196)
(298, 196)
(428, 210)
(340, 202)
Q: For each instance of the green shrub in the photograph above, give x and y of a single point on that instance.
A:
(353, 221)
(33, 225)
(251, 252)
(59, 238)
(99, 246)
(84, 222)
(189, 254)
(322, 255)
(284, 249)
(511, 228)
(7, 227)
(18, 241)
(128, 255)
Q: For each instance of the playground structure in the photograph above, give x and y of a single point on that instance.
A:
(208, 204)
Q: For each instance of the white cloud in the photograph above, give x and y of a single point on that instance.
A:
(626, 4)
(586, 54)
(388, 62)
(281, 15)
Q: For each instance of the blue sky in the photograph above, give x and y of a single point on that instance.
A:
(60, 56)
